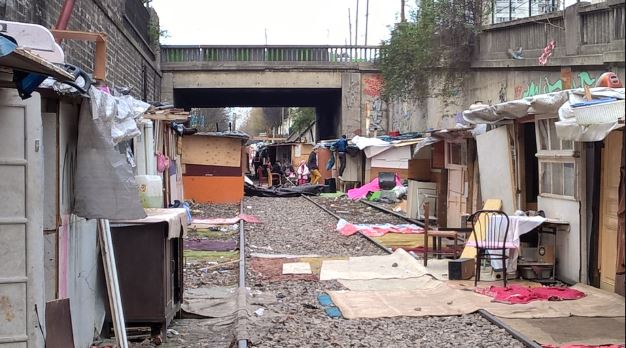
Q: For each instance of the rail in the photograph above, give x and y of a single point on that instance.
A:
(275, 53)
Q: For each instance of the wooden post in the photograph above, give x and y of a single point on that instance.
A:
(566, 77)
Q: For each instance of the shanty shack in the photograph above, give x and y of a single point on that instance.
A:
(213, 165)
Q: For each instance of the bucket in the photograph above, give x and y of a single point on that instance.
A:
(150, 190)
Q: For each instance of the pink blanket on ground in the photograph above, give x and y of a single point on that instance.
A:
(228, 221)
(584, 346)
(516, 294)
(361, 192)
(348, 229)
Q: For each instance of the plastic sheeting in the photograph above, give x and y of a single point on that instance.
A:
(568, 129)
(105, 183)
(296, 191)
(511, 110)
(551, 103)
(119, 114)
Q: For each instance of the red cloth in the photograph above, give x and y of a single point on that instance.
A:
(347, 229)
(584, 346)
(516, 294)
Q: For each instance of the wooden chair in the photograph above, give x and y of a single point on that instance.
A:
(273, 177)
(457, 234)
(490, 229)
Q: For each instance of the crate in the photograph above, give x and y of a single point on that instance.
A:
(599, 113)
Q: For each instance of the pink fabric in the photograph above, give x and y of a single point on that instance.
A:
(517, 294)
(228, 221)
(361, 192)
(508, 245)
(347, 229)
(584, 346)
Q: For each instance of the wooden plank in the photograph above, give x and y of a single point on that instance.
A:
(210, 150)
(201, 170)
(610, 177)
(167, 117)
(59, 324)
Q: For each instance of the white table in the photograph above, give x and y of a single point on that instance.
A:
(518, 225)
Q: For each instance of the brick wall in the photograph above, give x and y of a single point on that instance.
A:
(131, 60)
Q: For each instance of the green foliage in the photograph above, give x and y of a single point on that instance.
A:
(302, 118)
(434, 48)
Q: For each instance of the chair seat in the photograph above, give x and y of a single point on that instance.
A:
(491, 245)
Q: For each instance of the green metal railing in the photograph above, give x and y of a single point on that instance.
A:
(324, 54)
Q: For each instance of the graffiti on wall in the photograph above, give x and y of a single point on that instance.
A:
(401, 113)
(374, 104)
(548, 85)
(352, 94)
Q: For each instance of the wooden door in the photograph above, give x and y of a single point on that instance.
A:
(21, 221)
(608, 209)
(457, 202)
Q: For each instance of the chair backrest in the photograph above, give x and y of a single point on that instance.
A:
(490, 229)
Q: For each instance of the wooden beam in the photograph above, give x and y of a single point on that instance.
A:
(100, 39)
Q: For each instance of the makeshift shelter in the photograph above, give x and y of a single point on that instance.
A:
(289, 152)
(213, 165)
(557, 165)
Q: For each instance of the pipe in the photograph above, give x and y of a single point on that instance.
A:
(242, 343)
(65, 14)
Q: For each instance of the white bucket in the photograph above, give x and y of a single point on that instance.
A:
(150, 190)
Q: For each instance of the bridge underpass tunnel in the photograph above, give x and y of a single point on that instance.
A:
(325, 101)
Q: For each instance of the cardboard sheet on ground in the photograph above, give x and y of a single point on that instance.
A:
(421, 283)
(297, 268)
(373, 267)
(222, 302)
(578, 330)
(444, 300)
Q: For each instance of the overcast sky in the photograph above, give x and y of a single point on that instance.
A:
(287, 22)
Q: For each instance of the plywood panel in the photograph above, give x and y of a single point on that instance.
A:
(209, 150)
(456, 197)
(608, 209)
(496, 167)
(214, 189)
(397, 157)
(568, 241)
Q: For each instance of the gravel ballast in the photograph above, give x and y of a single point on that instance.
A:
(357, 212)
(296, 319)
(296, 226)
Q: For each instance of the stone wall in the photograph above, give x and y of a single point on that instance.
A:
(132, 61)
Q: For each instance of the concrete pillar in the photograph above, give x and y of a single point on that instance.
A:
(573, 26)
(167, 87)
(351, 121)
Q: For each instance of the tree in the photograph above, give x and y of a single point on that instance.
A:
(209, 120)
(435, 45)
(302, 118)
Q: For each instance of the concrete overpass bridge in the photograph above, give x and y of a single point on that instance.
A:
(341, 82)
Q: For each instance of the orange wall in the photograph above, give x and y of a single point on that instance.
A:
(213, 189)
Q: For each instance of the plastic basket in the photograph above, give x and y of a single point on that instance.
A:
(599, 113)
